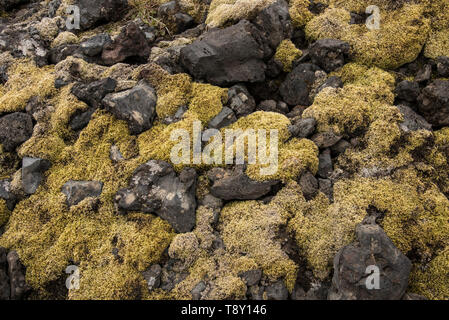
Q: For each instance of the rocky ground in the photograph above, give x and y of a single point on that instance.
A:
(86, 177)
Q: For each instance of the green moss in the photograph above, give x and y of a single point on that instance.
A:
(207, 101)
(433, 280)
(48, 235)
(300, 13)
(382, 47)
(173, 91)
(222, 11)
(64, 38)
(286, 54)
(26, 80)
(367, 92)
(4, 213)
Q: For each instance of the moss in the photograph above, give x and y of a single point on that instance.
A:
(222, 11)
(65, 38)
(207, 101)
(48, 235)
(82, 70)
(295, 157)
(48, 28)
(286, 54)
(433, 280)
(437, 44)
(26, 80)
(367, 92)
(382, 47)
(299, 12)
(4, 213)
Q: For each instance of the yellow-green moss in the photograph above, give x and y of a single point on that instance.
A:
(295, 157)
(26, 80)
(48, 28)
(286, 53)
(299, 12)
(4, 213)
(48, 235)
(65, 38)
(367, 92)
(437, 44)
(432, 281)
(380, 47)
(222, 11)
(207, 101)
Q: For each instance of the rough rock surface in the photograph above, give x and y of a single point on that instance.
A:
(33, 173)
(373, 248)
(156, 188)
(15, 128)
(93, 13)
(77, 191)
(298, 85)
(130, 43)
(434, 103)
(227, 56)
(236, 185)
(137, 106)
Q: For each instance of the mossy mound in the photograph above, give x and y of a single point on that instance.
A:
(286, 54)
(25, 80)
(4, 213)
(49, 236)
(222, 11)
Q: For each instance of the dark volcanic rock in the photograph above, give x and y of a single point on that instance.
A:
(94, 46)
(94, 13)
(15, 129)
(236, 185)
(296, 88)
(223, 119)
(77, 191)
(277, 291)
(325, 166)
(227, 56)
(33, 173)
(16, 271)
(407, 90)
(443, 67)
(136, 106)
(63, 51)
(309, 185)
(5, 290)
(329, 54)
(274, 24)
(434, 103)
(130, 43)
(372, 248)
(412, 120)
(331, 82)
(11, 4)
(241, 101)
(156, 188)
(303, 128)
(325, 139)
(93, 93)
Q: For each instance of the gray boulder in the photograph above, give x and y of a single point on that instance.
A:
(234, 184)
(94, 46)
(241, 101)
(16, 271)
(434, 103)
(227, 56)
(77, 191)
(277, 291)
(443, 66)
(33, 170)
(303, 128)
(372, 248)
(136, 106)
(94, 13)
(156, 188)
(412, 120)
